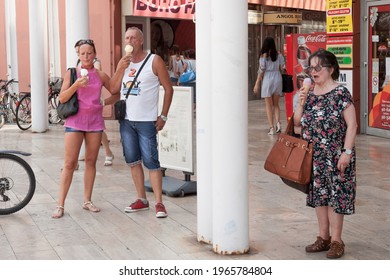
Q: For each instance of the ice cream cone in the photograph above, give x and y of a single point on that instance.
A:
(128, 49)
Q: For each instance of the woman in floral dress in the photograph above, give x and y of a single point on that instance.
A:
(326, 117)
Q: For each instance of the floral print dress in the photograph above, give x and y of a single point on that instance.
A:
(324, 126)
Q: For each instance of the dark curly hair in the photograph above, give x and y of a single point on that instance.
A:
(328, 59)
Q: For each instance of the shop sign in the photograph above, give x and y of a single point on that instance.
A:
(255, 17)
(341, 47)
(339, 17)
(177, 9)
(345, 79)
(312, 15)
(282, 18)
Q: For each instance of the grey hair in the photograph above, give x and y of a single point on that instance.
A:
(136, 29)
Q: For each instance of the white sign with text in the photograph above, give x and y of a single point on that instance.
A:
(175, 141)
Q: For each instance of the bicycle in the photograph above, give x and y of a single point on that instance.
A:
(55, 85)
(8, 101)
(17, 181)
(23, 110)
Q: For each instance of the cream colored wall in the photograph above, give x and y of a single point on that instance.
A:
(3, 54)
(100, 32)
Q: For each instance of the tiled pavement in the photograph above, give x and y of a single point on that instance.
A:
(280, 223)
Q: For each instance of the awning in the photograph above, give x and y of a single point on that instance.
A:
(184, 9)
(314, 5)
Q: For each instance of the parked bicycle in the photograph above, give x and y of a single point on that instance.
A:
(17, 181)
(55, 85)
(23, 110)
(8, 101)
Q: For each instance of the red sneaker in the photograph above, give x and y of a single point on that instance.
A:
(137, 205)
(161, 212)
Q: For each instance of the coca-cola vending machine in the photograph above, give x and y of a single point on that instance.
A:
(297, 50)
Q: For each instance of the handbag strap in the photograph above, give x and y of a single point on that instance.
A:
(290, 126)
(73, 75)
(136, 76)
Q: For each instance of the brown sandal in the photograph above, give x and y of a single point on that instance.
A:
(319, 245)
(336, 250)
(90, 207)
(59, 212)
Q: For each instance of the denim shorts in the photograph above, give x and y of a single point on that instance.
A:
(69, 129)
(139, 142)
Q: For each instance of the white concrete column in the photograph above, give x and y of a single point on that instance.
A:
(203, 125)
(38, 64)
(77, 27)
(11, 42)
(229, 102)
(54, 39)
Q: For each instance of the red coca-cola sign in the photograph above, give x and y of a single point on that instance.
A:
(300, 47)
(321, 38)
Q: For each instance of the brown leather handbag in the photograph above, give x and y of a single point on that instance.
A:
(291, 158)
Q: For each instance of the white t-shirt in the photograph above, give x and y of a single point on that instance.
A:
(142, 103)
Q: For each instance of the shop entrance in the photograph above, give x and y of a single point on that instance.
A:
(376, 98)
(256, 35)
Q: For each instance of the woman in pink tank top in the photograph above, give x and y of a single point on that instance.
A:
(86, 125)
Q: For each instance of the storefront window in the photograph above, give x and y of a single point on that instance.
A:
(379, 67)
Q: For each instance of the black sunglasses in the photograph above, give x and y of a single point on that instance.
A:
(82, 42)
(318, 68)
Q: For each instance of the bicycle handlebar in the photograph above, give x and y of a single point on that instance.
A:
(7, 82)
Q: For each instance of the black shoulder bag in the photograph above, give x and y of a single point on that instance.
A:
(287, 82)
(120, 106)
(71, 106)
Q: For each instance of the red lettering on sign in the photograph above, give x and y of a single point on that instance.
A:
(339, 12)
(180, 9)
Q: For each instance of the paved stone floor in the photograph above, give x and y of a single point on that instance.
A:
(280, 223)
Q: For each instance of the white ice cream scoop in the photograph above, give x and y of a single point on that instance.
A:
(128, 49)
(83, 72)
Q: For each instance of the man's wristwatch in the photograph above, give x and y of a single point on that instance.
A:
(164, 118)
(347, 151)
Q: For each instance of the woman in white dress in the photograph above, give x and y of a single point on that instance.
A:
(271, 64)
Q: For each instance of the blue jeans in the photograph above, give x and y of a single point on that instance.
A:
(69, 129)
(139, 142)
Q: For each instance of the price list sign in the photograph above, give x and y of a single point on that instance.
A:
(339, 17)
(342, 48)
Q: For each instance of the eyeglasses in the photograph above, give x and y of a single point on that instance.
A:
(82, 42)
(318, 68)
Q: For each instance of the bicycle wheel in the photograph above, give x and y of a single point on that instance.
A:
(23, 112)
(55, 99)
(53, 116)
(17, 183)
(13, 101)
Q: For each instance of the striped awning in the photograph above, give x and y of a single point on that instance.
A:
(314, 5)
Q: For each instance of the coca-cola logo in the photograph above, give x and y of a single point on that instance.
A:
(320, 38)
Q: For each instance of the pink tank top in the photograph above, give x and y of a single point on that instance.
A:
(90, 114)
